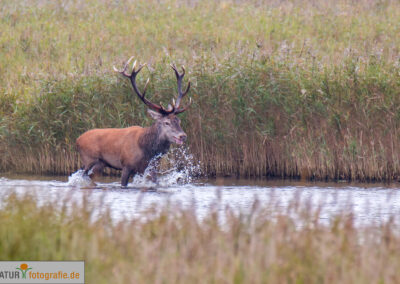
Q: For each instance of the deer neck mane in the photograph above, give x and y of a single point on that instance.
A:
(151, 142)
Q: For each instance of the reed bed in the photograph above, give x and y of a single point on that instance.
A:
(304, 89)
(171, 245)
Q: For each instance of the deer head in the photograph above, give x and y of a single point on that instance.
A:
(167, 122)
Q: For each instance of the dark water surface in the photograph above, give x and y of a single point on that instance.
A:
(369, 202)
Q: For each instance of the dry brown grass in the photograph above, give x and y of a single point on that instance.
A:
(266, 245)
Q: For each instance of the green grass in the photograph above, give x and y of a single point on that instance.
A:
(266, 245)
(304, 89)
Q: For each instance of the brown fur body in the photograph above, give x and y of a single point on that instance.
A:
(127, 149)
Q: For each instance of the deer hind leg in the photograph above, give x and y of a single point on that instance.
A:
(97, 169)
(88, 167)
(87, 161)
(92, 166)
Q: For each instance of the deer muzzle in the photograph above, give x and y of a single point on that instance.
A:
(180, 139)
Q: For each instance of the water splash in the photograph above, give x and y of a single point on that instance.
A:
(175, 168)
(78, 179)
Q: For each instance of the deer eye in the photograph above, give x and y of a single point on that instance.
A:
(167, 123)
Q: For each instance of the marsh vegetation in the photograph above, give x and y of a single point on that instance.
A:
(281, 88)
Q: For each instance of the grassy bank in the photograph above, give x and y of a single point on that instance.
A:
(305, 89)
(266, 245)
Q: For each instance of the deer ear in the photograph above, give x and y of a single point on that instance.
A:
(155, 115)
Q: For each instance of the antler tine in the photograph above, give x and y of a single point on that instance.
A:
(188, 86)
(145, 87)
(134, 71)
(180, 110)
(170, 108)
(176, 70)
(179, 77)
(124, 69)
(132, 78)
(134, 65)
(187, 89)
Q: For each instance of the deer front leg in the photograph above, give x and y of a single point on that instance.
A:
(126, 173)
(153, 175)
(154, 169)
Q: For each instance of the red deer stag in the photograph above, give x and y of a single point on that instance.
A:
(131, 149)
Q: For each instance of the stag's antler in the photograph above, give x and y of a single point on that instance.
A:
(179, 78)
(174, 108)
(132, 77)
